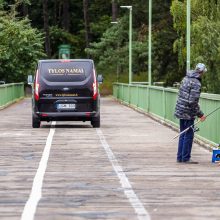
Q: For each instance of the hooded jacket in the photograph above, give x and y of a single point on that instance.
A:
(187, 106)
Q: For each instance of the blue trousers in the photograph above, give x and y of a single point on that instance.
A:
(185, 141)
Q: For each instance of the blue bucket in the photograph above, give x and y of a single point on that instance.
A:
(215, 155)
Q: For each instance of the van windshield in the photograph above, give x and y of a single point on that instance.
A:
(71, 71)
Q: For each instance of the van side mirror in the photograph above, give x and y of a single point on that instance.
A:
(100, 79)
(30, 80)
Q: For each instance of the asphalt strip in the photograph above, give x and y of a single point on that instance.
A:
(36, 192)
(141, 212)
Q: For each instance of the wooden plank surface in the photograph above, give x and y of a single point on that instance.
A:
(80, 181)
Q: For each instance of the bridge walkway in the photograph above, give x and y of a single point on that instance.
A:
(125, 170)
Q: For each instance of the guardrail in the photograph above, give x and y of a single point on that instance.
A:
(10, 93)
(160, 102)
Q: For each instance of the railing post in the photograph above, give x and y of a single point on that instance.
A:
(164, 104)
(122, 92)
(148, 99)
(129, 92)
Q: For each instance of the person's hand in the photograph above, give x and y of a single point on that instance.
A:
(203, 118)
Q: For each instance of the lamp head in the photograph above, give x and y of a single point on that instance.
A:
(126, 6)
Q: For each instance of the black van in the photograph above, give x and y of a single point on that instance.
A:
(66, 90)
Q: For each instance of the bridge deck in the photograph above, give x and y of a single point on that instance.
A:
(125, 170)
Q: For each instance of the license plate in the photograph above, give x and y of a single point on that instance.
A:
(66, 106)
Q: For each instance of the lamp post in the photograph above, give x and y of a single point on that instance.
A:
(188, 33)
(130, 41)
(149, 42)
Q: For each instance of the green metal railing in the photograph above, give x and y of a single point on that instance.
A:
(10, 93)
(160, 102)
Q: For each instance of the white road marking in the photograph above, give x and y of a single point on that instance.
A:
(141, 212)
(36, 192)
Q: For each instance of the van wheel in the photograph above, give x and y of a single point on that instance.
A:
(35, 122)
(95, 122)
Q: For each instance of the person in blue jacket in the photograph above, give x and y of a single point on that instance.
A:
(187, 109)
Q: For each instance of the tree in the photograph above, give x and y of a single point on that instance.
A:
(20, 48)
(46, 28)
(66, 15)
(114, 10)
(164, 65)
(86, 22)
(205, 37)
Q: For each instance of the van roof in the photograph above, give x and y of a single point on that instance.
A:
(54, 60)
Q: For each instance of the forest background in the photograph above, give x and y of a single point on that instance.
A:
(34, 29)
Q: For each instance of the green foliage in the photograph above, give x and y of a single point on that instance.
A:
(178, 10)
(111, 52)
(164, 61)
(205, 37)
(99, 27)
(111, 49)
(206, 48)
(59, 36)
(109, 42)
(1, 4)
(20, 47)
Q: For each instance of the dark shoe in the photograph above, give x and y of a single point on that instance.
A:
(190, 162)
(179, 161)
